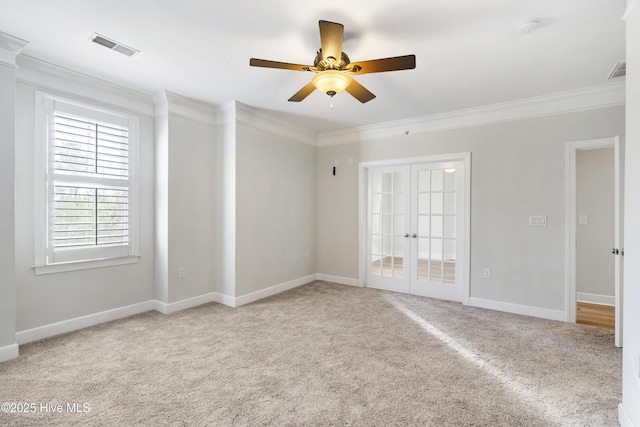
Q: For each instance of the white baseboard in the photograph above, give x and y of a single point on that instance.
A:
(273, 290)
(8, 352)
(168, 308)
(623, 418)
(524, 310)
(339, 280)
(70, 325)
(225, 300)
(595, 298)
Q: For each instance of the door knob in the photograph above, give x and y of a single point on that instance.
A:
(406, 234)
(615, 251)
(414, 235)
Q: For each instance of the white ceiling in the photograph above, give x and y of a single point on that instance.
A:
(468, 52)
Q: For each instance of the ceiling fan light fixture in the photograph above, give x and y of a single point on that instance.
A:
(331, 82)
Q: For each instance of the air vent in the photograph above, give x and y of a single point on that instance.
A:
(619, 70)
(113, 45)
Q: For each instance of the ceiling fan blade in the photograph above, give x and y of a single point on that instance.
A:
(303, 93)
(359, 92)
(331, 35)
(280, 65)
(406, 62)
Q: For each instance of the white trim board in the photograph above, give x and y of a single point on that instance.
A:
(630, 5)
(8, 352)
(608, 95)
(168, 308)
(273, 290)
(524, 310)
(82, 322)
(339, 280)
(595, 298)
(623, 418)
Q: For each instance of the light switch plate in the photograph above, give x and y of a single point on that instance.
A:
(538, 220)
(583, 220)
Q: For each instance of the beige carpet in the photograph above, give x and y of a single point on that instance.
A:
(321, 355)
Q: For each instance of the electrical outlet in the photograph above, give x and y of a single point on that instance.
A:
(486, 273)
(182, 272)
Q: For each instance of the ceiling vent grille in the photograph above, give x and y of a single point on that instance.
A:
(113, 45)
(619, 70)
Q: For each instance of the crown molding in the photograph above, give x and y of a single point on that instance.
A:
(559, 103)
(171, 103)
(260, 120)
(10, 47)
(63, 81)
(630, 5)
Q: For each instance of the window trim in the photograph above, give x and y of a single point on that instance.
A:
(95, 257)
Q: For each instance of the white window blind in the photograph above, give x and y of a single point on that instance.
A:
(91, 189)
(86, 196)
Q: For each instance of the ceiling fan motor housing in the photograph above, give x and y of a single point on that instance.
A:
(330, 63)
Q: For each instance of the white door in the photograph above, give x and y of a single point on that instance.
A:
(435, 226)
(415, 229)
(388, 224)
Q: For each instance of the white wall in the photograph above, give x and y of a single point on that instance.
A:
(275, 209)
(595, 269)
(518, 169)
(630, 409)
(50, 298)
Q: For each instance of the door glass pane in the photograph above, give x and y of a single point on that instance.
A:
(449, 276)
(435, 267)
(449, 250)
(376, 203)
(387, 203)
(436, 203)
(424, 181)
(398, 224)
(386, 224)
(387, 182)
(449, 180)
(436, 249)
(376, 265)
(437, 180)
(450, 203)
(398, 257)
(375, 224)
(436, 226)
(398, 203)
(423, 259)
(398, 182)
(423, 225)
(376, 245)
(423, 203)
(450, 226)
(376, 182)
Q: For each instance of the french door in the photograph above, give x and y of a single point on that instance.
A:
(415, 228)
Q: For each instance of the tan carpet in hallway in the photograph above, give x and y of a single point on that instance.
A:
(320, 355)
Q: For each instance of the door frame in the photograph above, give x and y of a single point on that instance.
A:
(572, 149)
(465, 158)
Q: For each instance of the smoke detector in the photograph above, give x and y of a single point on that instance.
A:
(113, 45)
(619, 70)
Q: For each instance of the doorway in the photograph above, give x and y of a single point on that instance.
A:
(594, 225)
(415, 226)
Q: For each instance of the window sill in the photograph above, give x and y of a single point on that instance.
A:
(84, 265)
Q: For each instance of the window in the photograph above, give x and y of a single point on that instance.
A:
(85, 194)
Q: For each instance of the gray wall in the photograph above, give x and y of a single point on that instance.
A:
(595, 270)
(275, 209)
(7, 215)
(50, 298)
(518, 169)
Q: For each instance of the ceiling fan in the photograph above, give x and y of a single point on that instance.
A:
(334, 69)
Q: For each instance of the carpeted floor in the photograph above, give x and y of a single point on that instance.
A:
(320, 355)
